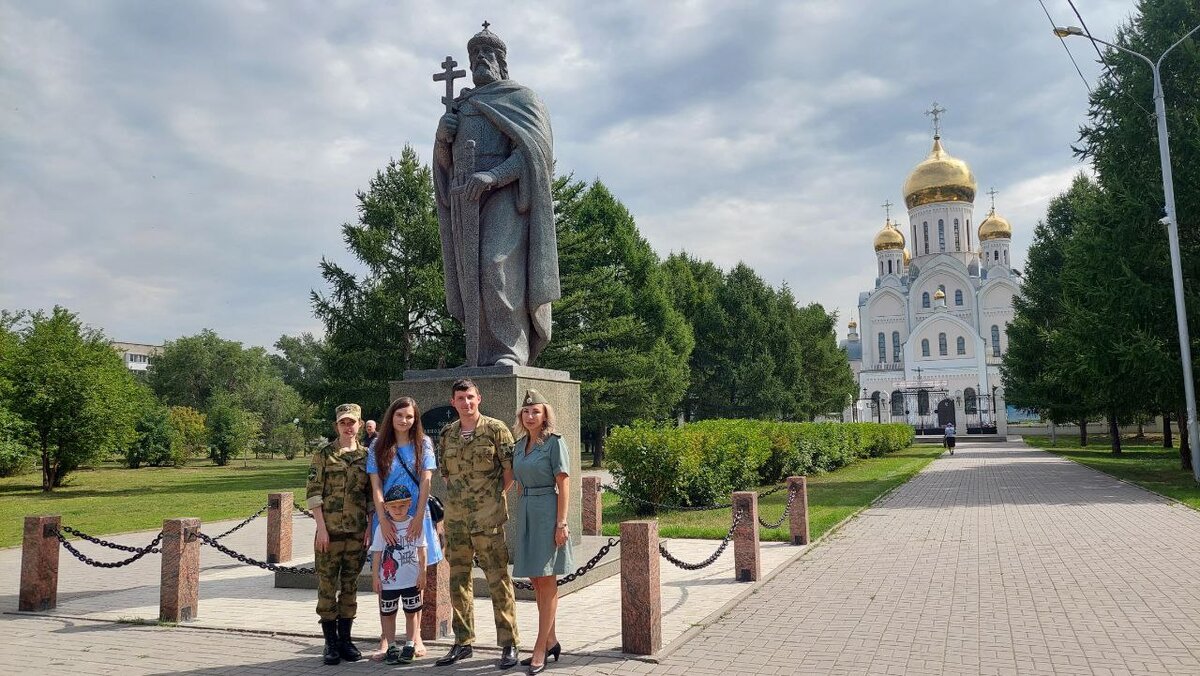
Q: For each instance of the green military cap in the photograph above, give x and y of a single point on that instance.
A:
(348, 411)
(534, 397)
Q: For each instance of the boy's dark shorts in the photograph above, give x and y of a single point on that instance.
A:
(949, 442)
(391, 600)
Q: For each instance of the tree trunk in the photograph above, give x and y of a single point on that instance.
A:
(1185, 450)
(1167, 430)
(47, 473)
(1053, 434)
(1083, 432)
(1114, 431)
(598, 448)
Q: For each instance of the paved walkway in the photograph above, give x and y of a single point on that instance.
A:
(997, 560)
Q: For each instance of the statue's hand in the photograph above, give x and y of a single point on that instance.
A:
(447, 128)
(480, 183)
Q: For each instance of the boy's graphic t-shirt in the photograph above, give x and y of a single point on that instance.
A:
(398, 563)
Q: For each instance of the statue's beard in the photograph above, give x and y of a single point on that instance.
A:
(484, 73)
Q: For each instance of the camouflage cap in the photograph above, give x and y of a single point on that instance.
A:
(348, 411)
(533, 397)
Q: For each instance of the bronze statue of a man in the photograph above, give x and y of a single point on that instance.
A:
(493, 166)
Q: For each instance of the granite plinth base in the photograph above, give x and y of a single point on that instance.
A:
(610, 565)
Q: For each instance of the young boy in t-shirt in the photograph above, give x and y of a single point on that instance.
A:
(398, 575)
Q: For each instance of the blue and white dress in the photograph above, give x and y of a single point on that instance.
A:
(397, 475)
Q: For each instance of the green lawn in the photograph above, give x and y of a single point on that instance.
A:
(831, 498)
(117, 500)
(1150, 466)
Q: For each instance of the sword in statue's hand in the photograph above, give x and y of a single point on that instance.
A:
(449, 75)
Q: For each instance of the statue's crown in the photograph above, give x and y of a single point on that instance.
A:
(486, 37)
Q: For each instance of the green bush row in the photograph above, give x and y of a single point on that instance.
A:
(702, 463)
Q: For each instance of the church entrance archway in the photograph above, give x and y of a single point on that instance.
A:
(945, 412)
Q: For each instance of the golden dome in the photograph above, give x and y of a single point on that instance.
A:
(994, 226)
(853, 324)
(939, 178)
(939, 294)
(888, 237)
(907, 257)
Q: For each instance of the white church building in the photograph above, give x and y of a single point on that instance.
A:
(932, 331)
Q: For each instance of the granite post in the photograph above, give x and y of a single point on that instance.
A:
(799, 516)
(641, 588)
(435, 613)
(747, 564)
(39, 564)
(279, 527)
(593, 511)
(180, 589)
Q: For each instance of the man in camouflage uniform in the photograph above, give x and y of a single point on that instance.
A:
(338, 497)
(474, 455)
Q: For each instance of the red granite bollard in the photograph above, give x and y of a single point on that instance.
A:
(747, 565)
(279, 527)
(641, 588)
(178, 599)
(39, 564)
(593, 511)
(435, 616)
(799, 515)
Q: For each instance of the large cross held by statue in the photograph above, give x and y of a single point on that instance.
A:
(449, 75)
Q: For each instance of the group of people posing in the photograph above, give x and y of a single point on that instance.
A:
(375, 500)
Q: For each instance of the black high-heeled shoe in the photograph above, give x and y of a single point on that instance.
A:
(554, 650)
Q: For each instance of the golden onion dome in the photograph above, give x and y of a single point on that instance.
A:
(939, 294)
(907, 257)
(939, 178)
(994, 226)
(853, 324)
(889, 237)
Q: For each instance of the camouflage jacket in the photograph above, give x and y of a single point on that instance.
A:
(474, 473)
(337, 483)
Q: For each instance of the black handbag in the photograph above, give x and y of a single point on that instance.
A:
(437, 511)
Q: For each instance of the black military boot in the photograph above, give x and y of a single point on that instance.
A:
(331, 654)
(349, 652)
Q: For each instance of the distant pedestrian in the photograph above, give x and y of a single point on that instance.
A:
(370, 433)
(948, 438)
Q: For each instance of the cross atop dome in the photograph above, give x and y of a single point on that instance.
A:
(993, 192)
(935, 111)
(887, 205)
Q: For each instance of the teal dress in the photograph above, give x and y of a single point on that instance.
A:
(534, 552)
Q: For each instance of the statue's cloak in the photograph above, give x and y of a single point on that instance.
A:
(521, 116)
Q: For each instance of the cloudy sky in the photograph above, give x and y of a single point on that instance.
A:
(172, 166)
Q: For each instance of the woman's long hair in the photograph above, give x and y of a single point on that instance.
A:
(386, 442)
(548, 425)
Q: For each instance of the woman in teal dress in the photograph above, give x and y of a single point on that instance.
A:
(542, 551)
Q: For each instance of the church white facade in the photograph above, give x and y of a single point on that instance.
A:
(932, 331)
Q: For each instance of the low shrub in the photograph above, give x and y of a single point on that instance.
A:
(701, 463)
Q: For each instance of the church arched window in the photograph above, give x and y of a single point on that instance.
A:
(924, 347)
(968, 234)
(923, 402)
(970, 401)
(897, 404)
(961, 345)
(880, 268)
(996, 255)
(957, 237)
(995, 340)
(889, 266)
(942, 344)
(941, 235)
(1006, 256)
(925, 299)
(882, 348)
(896, 346)
(958, 296)
(925, 231)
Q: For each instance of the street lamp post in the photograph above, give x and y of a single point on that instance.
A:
(1164, 155)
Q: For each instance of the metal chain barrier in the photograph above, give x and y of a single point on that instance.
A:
(300, 508)
(273, 567)
(151, 548)
(105, 543)
(662, 549)
(786, 511)
(243, 524)
(579, 572)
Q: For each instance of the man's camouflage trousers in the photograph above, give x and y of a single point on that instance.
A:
(462, 548)
(337, 577)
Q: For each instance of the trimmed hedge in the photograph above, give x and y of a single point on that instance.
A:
(702, 463)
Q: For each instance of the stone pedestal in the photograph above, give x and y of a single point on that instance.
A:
(180, 588)
(39, 564)
(798, 518)
(502, 389)
(435, 615)
(593, 511)
(641, 588)
(747, 564)
(279, 527)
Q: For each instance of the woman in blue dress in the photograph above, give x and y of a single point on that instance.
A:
(542, 551)
(399, 435)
